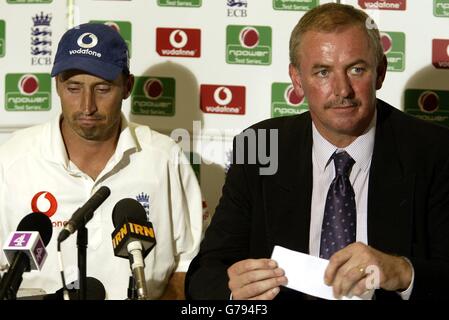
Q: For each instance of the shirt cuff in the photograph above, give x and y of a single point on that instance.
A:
(405, 295)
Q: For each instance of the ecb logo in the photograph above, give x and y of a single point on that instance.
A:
(41, 39)
(237, 8)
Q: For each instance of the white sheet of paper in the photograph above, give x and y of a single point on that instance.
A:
(305, 273)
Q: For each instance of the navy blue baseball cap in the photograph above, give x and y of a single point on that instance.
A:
(95, 48)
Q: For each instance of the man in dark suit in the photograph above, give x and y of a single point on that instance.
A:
(392, 189)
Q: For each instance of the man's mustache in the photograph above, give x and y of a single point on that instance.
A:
(344, 102)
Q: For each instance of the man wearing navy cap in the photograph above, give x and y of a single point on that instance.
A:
(54, 168)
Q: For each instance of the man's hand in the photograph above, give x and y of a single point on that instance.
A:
(257, 279)
(346, 270)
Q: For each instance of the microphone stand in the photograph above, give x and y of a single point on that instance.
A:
(81, 242)
(11, 281)
(132, 291)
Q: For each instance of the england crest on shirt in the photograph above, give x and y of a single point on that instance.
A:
(144, 200)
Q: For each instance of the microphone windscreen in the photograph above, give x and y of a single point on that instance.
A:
(128, 208)
(94, 291)
(39, 222)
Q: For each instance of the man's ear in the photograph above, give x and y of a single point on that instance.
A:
(57, 84)
(381, 72)
(296, 80)
(129, 85)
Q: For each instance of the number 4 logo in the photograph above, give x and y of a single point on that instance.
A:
(39, 252)
(20, 241)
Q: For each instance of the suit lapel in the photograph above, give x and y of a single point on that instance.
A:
(390, 192)
(289, 191)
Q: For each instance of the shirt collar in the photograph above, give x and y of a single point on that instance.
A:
(55, 150)
(361, 149)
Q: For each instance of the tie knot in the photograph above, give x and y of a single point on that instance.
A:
(343, 163)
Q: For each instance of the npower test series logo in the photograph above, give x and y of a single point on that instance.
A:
(285, 101)
(441, 8)
(2, 38)
(440, 53)
(122, 27)
(28, 92)
(173, 42)
(394, 48)
(295, 5)
(222, 99)
(428, 104)
(153, 96)
(179, 3)
(248, 45)
(383, 4)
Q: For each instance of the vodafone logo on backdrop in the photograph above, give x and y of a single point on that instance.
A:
(183, 42)
(222, 99)
(440, 53)
(383, 4)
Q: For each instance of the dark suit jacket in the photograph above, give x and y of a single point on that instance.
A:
(408, 205)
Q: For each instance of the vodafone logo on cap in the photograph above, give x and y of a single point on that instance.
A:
(87, 40)
(440, 53)
(28, 84)
(292, 98)
(44, 202)
(249, 37)
(178, 42)
(222, 99)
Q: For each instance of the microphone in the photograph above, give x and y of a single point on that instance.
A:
(133, 238)
(85, 213)
(25, 250)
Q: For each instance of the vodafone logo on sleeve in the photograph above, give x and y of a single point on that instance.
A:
(171, 42)
(222, 99)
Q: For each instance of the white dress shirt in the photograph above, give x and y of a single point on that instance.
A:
(361, 150)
